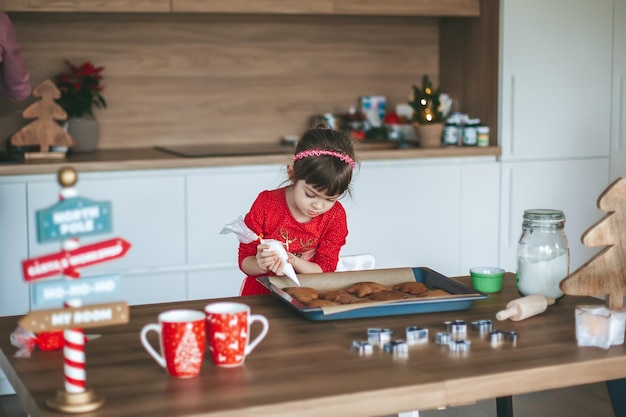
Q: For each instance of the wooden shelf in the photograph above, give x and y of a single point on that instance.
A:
(104, 6)
(465, 8)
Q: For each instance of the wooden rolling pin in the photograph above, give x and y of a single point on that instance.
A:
(525, 307)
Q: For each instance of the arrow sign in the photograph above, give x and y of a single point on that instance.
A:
(73, 318)
(90, 290)
(66, 262)
(73, 217)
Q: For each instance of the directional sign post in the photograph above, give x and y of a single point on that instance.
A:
(91, 290)
(73, 217)
(79, 317)
(67, 262)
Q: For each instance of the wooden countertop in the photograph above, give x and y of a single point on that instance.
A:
(150, 158)
(306, 368)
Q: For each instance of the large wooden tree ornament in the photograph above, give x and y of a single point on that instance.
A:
(605, 273)
(44, 131)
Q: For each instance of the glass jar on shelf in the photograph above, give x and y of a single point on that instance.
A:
(542, 253)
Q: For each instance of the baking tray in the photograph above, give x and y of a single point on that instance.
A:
(461, 296)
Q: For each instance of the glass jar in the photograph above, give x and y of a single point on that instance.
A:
(470, 132)
(542, 253)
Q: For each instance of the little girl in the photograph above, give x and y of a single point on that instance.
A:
(304, 216)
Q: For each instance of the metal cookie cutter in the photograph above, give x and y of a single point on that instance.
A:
(497, 337)
(482, 326)
(460, 345)
(416, 334)
(442, 338)
(364, 348)
(397, 346)
(456, 327)
(375, 335)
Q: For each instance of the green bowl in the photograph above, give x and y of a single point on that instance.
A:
(487, 279)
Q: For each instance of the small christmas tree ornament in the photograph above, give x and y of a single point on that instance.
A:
(44, 131)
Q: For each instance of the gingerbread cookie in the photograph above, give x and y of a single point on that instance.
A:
(365, 288)
(303, 294)
(435, 293)
(412, 287)
(341, 297)
(323, 303)
(388, 296)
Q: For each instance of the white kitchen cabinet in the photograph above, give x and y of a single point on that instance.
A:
(148, 210)
(480, 213)
(13, 249)
(217, 196)
(618, 121)
(571, 186)
(439, 213)
(555, 78)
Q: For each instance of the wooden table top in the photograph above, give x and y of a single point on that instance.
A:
(306, 368)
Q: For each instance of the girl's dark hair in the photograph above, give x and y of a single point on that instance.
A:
(326, 173)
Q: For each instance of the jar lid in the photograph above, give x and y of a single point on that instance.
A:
(544, 215)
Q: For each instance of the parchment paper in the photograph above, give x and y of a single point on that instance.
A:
(342, 280)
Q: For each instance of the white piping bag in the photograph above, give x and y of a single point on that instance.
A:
(245, 235)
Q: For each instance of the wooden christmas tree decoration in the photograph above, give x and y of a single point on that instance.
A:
(44, 131)
(605, 273)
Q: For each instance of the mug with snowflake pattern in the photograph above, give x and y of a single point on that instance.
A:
(228, 332)
(182, 337)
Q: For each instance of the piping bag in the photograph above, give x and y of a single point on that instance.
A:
(525, 307)
(245, 235)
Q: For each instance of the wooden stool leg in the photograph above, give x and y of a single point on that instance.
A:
(617, 393)
(504, 406)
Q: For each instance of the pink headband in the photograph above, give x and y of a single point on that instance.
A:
(318, 152)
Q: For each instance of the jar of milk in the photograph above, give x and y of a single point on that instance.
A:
(542, 253)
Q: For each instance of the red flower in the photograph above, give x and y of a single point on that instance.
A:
(80, 89)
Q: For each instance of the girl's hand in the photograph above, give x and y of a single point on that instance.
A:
(266, 259)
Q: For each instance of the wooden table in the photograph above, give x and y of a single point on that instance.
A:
(306, 368)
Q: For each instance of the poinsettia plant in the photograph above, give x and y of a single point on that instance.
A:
(81, 89)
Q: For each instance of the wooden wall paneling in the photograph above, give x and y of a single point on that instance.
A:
(256, 6)
(469, 64)
(218, 79)
(409, 7)
(162, 6)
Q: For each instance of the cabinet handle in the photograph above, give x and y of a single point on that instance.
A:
(620, 118)
(507, 199)
(512, 116)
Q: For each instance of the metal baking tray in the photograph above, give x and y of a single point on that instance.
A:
(461, 296)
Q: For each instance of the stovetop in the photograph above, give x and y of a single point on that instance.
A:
(208, 150)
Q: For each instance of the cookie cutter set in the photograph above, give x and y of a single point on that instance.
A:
(454, 337)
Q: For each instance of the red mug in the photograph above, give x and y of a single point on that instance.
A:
(228, 331)
(182, 337)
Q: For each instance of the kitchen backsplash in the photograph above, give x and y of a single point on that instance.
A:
(173, 79)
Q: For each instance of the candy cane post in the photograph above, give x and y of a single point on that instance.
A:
(70, 300)
(74, 357)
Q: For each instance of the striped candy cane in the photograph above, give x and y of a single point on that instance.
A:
(73, 339)
(74, 360)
